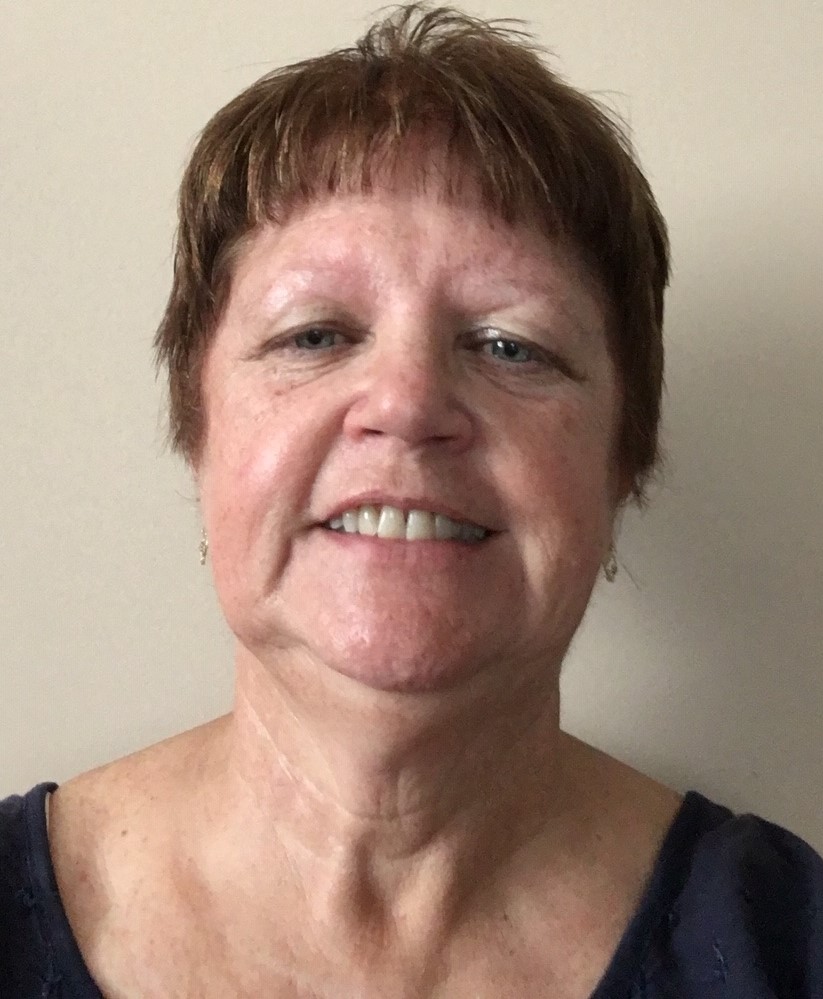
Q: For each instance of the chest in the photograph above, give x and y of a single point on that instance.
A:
(165, 956)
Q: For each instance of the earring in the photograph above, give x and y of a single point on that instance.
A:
(610, 566)
(203, 547)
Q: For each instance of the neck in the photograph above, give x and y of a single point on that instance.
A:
(378, 796)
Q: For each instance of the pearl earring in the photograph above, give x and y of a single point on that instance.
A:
(610, 566)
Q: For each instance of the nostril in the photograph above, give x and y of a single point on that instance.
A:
(415, 418)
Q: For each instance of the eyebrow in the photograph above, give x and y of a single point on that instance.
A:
(284, 283)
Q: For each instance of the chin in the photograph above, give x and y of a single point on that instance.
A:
(404, 666)
(406, 678)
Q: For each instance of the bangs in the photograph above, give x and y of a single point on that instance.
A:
(391, 139)
(408, 106)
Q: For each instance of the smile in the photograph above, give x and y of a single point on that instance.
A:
(416, 525)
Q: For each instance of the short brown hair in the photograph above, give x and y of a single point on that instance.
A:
(539, 148)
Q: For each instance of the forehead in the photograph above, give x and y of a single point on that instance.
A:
(416, 239)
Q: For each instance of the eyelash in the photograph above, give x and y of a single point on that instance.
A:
(494, 339)
(482, 340)
(539, 357)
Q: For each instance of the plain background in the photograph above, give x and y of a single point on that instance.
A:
(701, 665)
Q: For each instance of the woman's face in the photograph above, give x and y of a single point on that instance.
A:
(388, 353)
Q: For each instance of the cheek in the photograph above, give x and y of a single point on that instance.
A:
(262, 453)
(566, 483)
(246, 441)
(575, 445)
(248, 501)
(257, 481)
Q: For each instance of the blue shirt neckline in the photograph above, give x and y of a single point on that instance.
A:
(669, 873)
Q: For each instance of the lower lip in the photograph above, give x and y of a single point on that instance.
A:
(398, 549)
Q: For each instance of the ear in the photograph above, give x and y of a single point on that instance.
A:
(617, 523)
(194, 459)
(623, 488)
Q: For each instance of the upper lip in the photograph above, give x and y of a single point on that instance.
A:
(405, 503)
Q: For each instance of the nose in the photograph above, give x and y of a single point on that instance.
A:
(409, 391)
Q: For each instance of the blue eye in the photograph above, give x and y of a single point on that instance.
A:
(315, 338)
(508, 350)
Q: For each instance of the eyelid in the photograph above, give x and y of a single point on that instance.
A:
(285, 339)
(488, 334)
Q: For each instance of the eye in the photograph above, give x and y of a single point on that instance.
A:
(508, 350)
(516, 352)
(316, 338)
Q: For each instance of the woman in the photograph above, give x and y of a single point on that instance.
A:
(414, 351)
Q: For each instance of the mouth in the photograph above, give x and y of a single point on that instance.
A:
(393, 523)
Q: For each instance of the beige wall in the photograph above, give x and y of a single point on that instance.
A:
(701, 665)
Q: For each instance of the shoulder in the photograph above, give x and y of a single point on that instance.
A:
(59, 883)
(22, 853)
(746, 906)
(743, 861)
(26, 961)
(112, 831)
(118, 840)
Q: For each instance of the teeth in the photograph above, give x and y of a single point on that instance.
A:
(418, 525)
(445, 528)
(368, 520)
(392, 523)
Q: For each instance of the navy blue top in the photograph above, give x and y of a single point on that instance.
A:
(733, 910)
